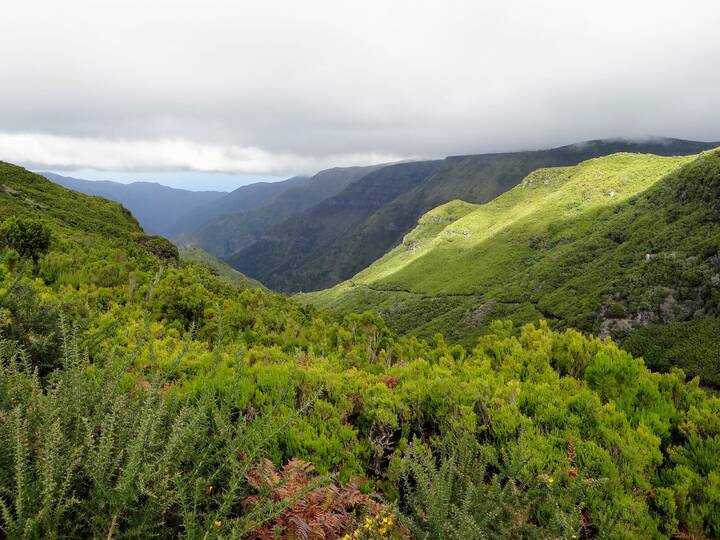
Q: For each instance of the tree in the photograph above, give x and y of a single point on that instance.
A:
(29, 237)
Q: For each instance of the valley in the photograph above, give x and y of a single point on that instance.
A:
(474, 337)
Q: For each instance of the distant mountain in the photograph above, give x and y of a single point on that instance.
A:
(343, 234)
(157, 207)
(626, 245)
(242, 199)
(245, 218)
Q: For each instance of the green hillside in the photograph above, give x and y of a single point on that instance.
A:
(300, 253)
(337, 238)
(142, 395)
(608, 246)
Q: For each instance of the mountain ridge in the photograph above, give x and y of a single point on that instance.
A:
(318, 248)
(157, 207)
(240, 226)
(615, 249)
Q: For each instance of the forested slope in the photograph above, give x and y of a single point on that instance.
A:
(240, 225)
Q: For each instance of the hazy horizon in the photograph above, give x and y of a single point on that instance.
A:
(188, 180)
(227, 181)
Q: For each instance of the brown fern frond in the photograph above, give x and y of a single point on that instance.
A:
(319, 513)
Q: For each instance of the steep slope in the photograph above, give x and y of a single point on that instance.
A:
(156, 207)
(234, 231)
(143, 396)
(242, 199)
(281, 258)
(608, 246)
(295, 257)
(218, 268)
(23, 193)
(90, 229)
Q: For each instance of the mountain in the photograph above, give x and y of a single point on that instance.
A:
(218, 268)
(142, 395)
(626, 245)
(280, 258)
(157, 207)
(339, 237)
(242, 199)
(242, 224)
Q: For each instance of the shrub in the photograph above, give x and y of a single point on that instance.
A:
(100, 453)
(29, 237)
(160, 247)
(470, 491)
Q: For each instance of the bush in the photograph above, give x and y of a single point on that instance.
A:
(29, 237)
(98, 453)
(471, 491)
(160, 247)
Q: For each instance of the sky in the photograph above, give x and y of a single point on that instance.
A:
(209, 93)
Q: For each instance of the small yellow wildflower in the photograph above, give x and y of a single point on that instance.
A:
(217, 523)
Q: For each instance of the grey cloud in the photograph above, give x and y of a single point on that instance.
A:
(306, 83)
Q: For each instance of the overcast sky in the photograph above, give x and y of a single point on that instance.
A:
(282, 88)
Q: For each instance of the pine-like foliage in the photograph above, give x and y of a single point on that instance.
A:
(471, 492)
(92, 452)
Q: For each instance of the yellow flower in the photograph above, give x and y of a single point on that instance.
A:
(217, 523)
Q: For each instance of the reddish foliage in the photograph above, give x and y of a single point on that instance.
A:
(317, 513)
(390, 382)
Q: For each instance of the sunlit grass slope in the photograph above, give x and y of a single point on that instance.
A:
(606, 246)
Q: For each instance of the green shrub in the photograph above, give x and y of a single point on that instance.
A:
(160, 247)
(29, 237)
(100, 453)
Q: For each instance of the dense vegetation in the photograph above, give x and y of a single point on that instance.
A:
(143, 395)
(608, 246)
(343, 234)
